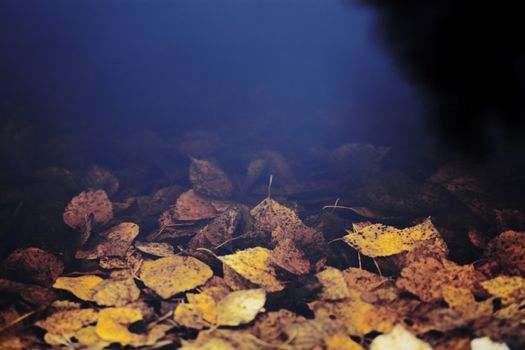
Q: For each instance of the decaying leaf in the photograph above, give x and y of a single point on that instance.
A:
(35, 265)
(357, 316)
(190, 206)
(380, 240)
(223, 339)
(340, 341)
(486, 343)
(88, 203)
(66, 322)
(310, 334)
(115, 292)
(115, 242)
(159, 249)
(98, 178)
(509, 289)
(427, 277)
(254, 264)
(113, 323)
(270, 326)
(82, 287)
(240, 307)
(219, 230)
(283, 223)
(288, 257)
(200, 311)
(507, 250)
(174, 274)
(334, 284)
(399, 339)
(210, 180)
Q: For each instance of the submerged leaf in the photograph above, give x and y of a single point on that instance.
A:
(66, 322)
(240, 307)
(113, 323)
(254, 264)
(399, 339)
(116, 292)
(82, 287)
(210, 180)
(88, 203)
(115, 242)
(35, 265)
(509, 289)
(380, 240)
(174, 274)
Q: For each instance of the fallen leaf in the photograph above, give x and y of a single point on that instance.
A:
(340, 341)
(240, 307)
(200, 312)
(223, 339)
(159, 249)
(380, 240)
(254, 264)
(210, 180)
(507, 250)
(270, 326)
(174, 274)
(115, 292)
(113, 325)
(334, 284)
(427, 277)
(509, 289)
(115, 242)
(486, 343)
(66, 322)
(82, 287)
(219, 230)
(98, 178)
(398, 339)
(288, 257)
(86, 203)
(35, 265)
(190, 206)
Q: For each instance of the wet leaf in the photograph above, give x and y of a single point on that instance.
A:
(174, 274)
(88, 203)
(200, 311)
(210, 180)
(507, 250)
(427, 277)
(288, 257)
(159, 249)
(380, 240)
(190, 206)
(115, 292)
(98, 178)
(240, 307)
(35, 265)
(82, 287)
(334, 284)
(254, 264)
(223, 339)
(66, 322)
(113, 325)
(270, 326)
(115, 242)
(219, 230)
(398, 339)
(509, 289)
(486, 343)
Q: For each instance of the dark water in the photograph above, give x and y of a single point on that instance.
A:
(137, 86)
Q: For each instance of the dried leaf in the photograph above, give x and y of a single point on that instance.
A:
(240, 307)
(35, 265)
(174, 274)
(210, 180)
(88, 203)
(254, 264)
(82, 287)
(380, 240)
(398, 339)
(115, 242)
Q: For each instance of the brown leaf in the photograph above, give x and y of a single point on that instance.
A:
(98, 178)
(190, 206)
(35, 265)
(88, 203)
(507, 250)
(115, 242)
(210, 180)
(288, 257)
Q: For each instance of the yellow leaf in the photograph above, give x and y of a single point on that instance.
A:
(340, 341)
(509, 289)
(113, 323)
(240, 307)
(254, 264)
(334, 284)
(66, 322)
(82, 287)
(116, 292)
(380, 240)
(174, 274)
(398, 339)
(200, 311)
